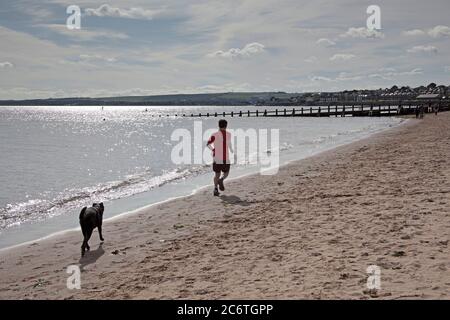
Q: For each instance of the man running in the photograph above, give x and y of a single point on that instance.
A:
(221, 158)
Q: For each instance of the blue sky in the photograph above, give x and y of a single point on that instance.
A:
(161, 47)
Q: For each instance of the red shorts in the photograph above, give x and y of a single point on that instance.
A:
(218, 167)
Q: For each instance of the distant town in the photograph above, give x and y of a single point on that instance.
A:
(395, 94)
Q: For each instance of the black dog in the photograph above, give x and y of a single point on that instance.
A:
(91, 218)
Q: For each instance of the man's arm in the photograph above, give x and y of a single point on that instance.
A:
(230, 145)
(210, 141)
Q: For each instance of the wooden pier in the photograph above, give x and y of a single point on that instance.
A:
(354, 110)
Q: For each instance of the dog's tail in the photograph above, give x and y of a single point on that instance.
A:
(82, 212)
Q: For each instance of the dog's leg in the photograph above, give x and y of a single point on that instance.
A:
(83, 245)
(100, 233)
(88, 236)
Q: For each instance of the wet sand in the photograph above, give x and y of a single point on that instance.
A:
(308, 232)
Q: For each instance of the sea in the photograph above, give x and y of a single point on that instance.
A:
(54, 160)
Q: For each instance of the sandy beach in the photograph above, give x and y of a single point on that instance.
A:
(308, 232)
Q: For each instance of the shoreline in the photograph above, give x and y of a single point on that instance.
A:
(308, 232)
(405, 121)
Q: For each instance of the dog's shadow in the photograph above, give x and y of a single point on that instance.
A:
(92, 256)
(235, 200)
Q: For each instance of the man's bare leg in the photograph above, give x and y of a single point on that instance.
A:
(225, 175)
(221, 186)
(216, 179)
(216, 182)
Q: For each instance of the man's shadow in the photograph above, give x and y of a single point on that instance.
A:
(92, 256)
(235, 200)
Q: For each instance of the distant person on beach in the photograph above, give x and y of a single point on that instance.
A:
(417, 112)
(221, 158)
(422, 111)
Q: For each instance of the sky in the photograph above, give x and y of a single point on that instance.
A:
(146, 47)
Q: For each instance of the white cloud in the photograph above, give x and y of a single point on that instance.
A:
(96, 57)
(311, 59)
(30, 93)
(91, 60)
(377, 75)
(83, 33)
(342, 57)
(36, 11)
(423, 49)
(389, 69)
(413, 72)
(436, 32)
(390, 73)
(226, 87)
(343, 76)
(321, 78)
(384, 73)
(363, 33)
(6, 64)
(414, 32)
(439, 31)
(249, 50)
(326, 42)
(106, 10)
